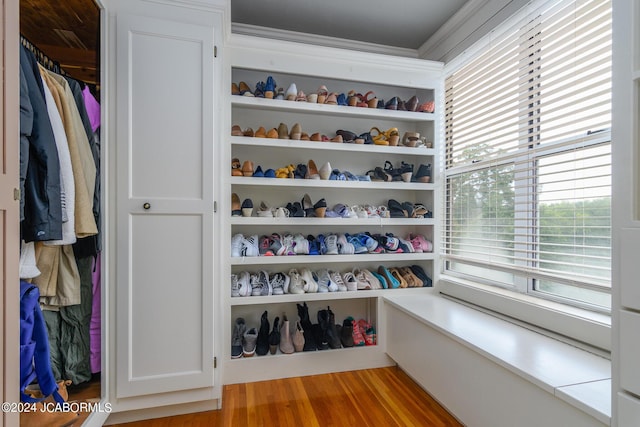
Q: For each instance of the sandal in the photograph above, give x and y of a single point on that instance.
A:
(236, 169)
(378, 174)
(347, 136)
(406, 171)
(396, 274)
(371, 102)
(396, 209)
(412, 280)
(394, 173)
(421, 211)
(320, 208)
(380, 138)
(364, 138)
(410, 139)
(322, 94)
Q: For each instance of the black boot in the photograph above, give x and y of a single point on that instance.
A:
(274, 336)
(262, 346)
(322, 338)
(346, 333)
(332, 333)
(305, 322)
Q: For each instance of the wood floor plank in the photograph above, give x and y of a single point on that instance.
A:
(370, 397)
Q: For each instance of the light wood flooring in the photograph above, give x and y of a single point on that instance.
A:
(372, 397)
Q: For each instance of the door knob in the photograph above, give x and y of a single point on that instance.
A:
(146, 206)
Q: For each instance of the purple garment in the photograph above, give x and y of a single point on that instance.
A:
(95, 343)
(93, 108)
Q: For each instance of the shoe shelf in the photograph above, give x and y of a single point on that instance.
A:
(332, 146)
(324, 296)
(330, 259)
(264, 104)
(321, 183)
(238, 220)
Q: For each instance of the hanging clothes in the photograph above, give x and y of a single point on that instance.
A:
(42, 205)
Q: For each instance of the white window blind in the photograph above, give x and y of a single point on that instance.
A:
(528, 158)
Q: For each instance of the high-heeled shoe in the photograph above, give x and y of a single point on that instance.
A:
(347, 136)
(261, 132)
(236, 169)
(269, 88)
(390, 170)
(325, 171)
(243, 89)
(235, 205)
(296, 132)
(427, 107)
(412, 103)
(392, 104)
(307, 205)
(370, 99)
(406, 171)
(236, 130)
(248, 132)
(283, 131)
(247, 207)
(273, 133)
(423, 174)
(247, 168)
(312, 170)
(322, 94)
(320, 208)
(235, 90)
(410, 139)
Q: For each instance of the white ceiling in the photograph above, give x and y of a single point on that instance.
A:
(400, 23)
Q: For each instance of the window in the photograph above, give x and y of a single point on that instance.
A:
(528, 156)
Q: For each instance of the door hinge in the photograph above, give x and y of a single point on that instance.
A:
(16, 194)
(215, 206)
(215, 51)
(215, 362)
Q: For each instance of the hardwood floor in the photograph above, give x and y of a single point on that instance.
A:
(371, 397)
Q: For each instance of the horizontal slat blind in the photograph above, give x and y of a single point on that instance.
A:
(528, 160)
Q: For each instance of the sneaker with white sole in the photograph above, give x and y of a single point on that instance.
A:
(288, 245)
(265, 246)
(344, 247)
(300, 245)
(279, 282)
(296, 283)
(249, 341)
(361, 281)
(265, 285)
(236, 245)
(311, 285)
(358, 247)
(350, 281)
(235, 285)
(244, 282)
(331, 244)
(250, 246)
(236, 339)
(325, 284)
(370, 243)
(336, 278)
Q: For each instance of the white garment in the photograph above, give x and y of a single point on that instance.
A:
(67, 185)
(28, 267)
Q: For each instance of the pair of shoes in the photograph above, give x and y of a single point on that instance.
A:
(388, 137)
(404, 172)
(240, 284)
(410, 139)
(244, 209)
(241, 246)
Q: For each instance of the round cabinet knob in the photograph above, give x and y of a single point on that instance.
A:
(146, 206)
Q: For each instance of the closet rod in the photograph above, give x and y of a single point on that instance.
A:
(42, 58)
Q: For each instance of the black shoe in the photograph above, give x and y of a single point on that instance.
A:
(274, 336)
(320, 341)
(332, 333)
(305, 322)
(422, 275)
(262, 345)
(346, 333)
(423, 174)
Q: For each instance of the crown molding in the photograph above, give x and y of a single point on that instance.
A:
(314, 39)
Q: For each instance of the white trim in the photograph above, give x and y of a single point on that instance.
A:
(555, 319)
(319, 40)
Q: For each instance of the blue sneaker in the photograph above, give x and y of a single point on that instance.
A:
(370, 243)
(342, 99)
(314, 245)
(322, 247)
(358, 247)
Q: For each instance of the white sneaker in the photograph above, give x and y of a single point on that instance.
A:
(265, 210)
(361, 281)
(350, 281)
(336, 279)
(331, 243)
(250, 246)
(260, 285)
(296, 283)
(344, 247)
(244, 280)
(325, 284)
(374, 282)
(287, 245)
(279, 283)
(300, 245)
(236, 245)
(281, 212)
(311, 286)
(235, 286)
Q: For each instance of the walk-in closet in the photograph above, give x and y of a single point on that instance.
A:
(62, 241)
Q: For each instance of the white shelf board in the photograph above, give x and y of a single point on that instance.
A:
(321, 183)
(319, 259)
(328, 109)
(332, 146)
(325, 296)
(254, 220)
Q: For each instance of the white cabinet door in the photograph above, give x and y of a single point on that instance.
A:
(165, 183)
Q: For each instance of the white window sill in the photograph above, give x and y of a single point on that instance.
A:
(574, 325)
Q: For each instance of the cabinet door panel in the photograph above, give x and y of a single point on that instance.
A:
(165, 182)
